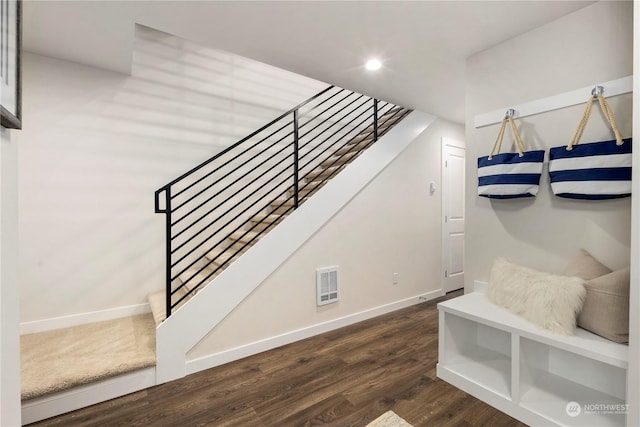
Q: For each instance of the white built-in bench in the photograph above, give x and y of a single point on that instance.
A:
(528, 372)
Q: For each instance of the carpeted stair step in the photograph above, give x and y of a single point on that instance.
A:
(59, 360)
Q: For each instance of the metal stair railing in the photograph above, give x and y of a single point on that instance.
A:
(263, 172)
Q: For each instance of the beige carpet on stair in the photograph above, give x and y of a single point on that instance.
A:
(389, 419)
(58, 360)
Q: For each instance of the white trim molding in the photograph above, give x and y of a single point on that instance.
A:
(82, 318)
(555, 102)
(226, 356)
(81, 397)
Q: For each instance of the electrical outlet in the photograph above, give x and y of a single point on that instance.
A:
(396, 278)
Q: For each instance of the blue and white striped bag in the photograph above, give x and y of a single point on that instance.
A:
(595, 171)
(510, 175)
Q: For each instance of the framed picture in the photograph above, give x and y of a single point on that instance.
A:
(10, 74)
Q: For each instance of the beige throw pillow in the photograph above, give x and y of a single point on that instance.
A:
(585, 266)
(606, 307)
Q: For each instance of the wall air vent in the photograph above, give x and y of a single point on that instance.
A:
(327, 284)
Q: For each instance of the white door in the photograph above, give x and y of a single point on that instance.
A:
(452, 215)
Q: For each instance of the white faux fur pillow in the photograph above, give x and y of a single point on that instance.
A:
(551, 302)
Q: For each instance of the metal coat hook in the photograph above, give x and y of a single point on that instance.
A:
(510, 112)
(597, 90)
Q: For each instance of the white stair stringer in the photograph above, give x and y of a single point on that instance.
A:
(180, 332)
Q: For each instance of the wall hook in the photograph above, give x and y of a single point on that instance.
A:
(597, 90)
(510, 112)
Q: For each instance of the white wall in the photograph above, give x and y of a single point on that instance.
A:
(589, 46)
(393, 225)
(97, 144)
(633, 376)
(9, 291)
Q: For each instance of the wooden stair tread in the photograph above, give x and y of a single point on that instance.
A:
(321, 172)
(353, 148)
(339, 160)
(362, 136)
(220, 256)
(261, 221)
(265, 217)
(244, 236)
(192, 277)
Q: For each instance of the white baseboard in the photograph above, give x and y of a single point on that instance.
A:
(82, 318)
(479, 286)
(81, 397)
(226, 356)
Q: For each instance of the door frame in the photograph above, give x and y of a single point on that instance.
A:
(444, 142)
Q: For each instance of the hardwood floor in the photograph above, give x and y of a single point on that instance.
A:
(347, 377)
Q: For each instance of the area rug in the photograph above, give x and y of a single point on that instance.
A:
(58, 360)
(389, 419)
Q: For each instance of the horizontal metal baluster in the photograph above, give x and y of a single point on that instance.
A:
(228, 222)
(304, 114)
(224, 238)
(347, 141)
(269, 203)
(339, 110)
(354, 154)
(220, 204)
(331, 107)
(338, 122)
(236, 180)
(222, 227)
(335, 123)
(247, 150)
(355, 129)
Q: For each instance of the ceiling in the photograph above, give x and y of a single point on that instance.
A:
(423, 45)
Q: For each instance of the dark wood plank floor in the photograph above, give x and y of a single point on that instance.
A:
(347, 377)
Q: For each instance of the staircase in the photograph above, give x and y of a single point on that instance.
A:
(233, 199)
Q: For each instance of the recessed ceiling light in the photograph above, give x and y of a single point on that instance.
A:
(373, 64)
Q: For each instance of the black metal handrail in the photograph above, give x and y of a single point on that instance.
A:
(223, 205)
